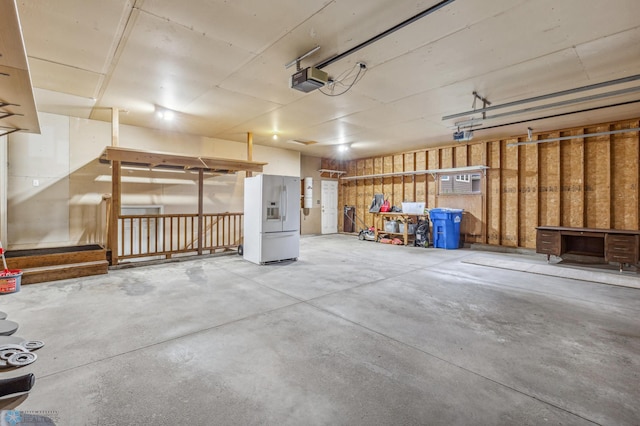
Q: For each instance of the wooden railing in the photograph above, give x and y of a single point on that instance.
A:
(164, 235)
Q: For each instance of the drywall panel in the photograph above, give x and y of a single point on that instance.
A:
(38, 185)
(310, 222)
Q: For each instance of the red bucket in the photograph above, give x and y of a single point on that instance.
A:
(10, 281)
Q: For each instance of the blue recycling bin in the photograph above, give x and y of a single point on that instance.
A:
(446, 227)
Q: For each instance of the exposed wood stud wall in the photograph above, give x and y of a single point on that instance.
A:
(583, 182)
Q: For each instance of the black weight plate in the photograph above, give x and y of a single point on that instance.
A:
(7, 328)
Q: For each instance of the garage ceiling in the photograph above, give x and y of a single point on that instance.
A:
(219, 65)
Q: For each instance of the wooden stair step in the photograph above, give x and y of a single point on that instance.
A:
(61, 272)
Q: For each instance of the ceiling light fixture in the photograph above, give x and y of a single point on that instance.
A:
(275, 137)
(165, 114)
(343, 148)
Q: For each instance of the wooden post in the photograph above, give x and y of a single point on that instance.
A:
(115, 127)
(116, 190)
(200, 208)
(116, 202)
(249, 150)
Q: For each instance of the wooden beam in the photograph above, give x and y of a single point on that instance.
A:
(147, 158)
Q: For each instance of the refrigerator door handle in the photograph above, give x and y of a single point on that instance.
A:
(286, 205)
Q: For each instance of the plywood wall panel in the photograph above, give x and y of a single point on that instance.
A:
(446, 157)
(421, 180)
(597, 163)
(460, 158)
(387, 182)
(549, 178)
(494, 193)
(409, 191)
(510, 201)
(477, 155)
(591, 182)
(528, 194)
(571, 184)
(624, 182)
(351, 198)
(433, 162)
(368, 191)
(378, 167)
(360, 189)
(398, 186)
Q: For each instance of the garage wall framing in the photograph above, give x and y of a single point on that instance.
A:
(584, 181)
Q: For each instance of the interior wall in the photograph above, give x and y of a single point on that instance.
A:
(583, 182)
(67, 208)
(3, 188)
(310, 222)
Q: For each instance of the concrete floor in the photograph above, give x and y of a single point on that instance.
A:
(354, 333)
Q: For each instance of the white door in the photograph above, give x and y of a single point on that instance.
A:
(329, 197)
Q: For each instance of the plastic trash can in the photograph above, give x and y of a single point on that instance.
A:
(446, 227)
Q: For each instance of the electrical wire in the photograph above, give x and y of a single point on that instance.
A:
(344, 78)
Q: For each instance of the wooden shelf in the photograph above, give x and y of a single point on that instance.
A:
(419, 172)
(332, 172)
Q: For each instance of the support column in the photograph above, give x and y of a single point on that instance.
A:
(249, 150)
(116, 190)
(200, 208)
(115, 127)
(116, 203)
(4, 175)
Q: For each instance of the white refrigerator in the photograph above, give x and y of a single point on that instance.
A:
(271, 218)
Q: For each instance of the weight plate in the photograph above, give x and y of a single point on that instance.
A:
(21, 348)
(32, 345)
(7, 328)
(8, 353)
(11, 340)
(3, 315)
(22, 359)
(3, 364)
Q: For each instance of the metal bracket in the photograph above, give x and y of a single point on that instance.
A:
(485, 102)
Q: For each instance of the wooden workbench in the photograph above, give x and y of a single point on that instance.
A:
(380, 218)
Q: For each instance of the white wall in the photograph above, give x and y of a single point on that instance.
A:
(65, 209)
